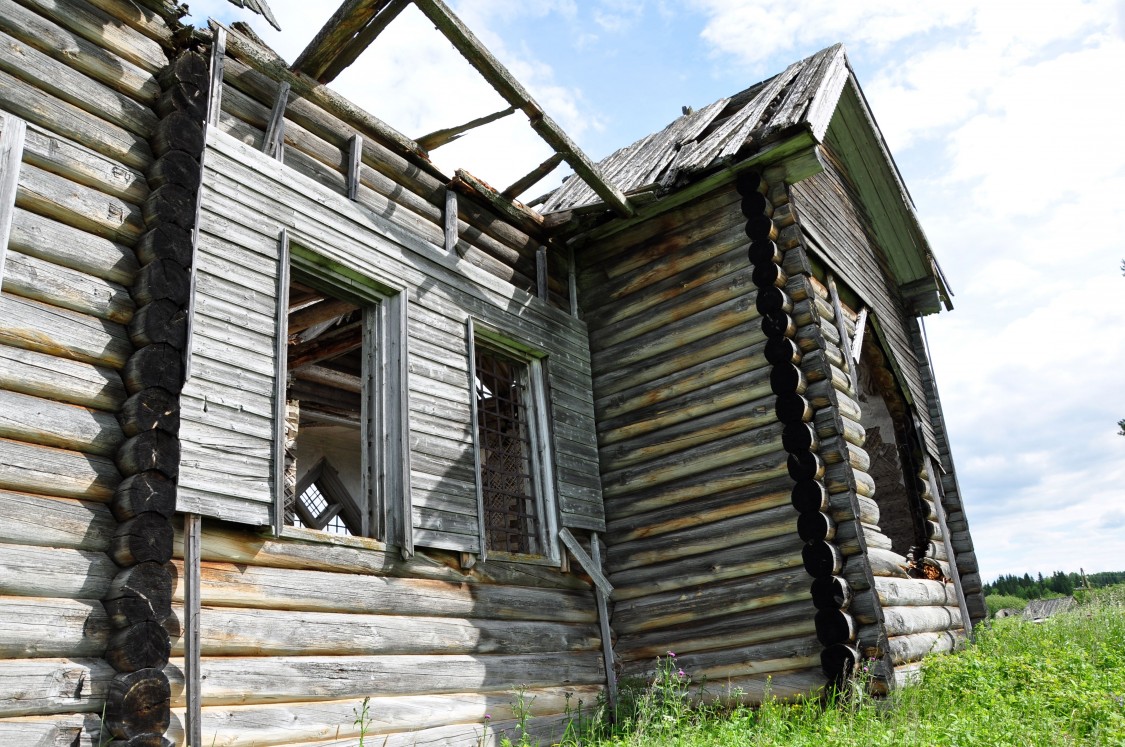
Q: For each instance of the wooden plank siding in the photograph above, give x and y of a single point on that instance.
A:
(85, 85)
(247, 200)
(703, 552)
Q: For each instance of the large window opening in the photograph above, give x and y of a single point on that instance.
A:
(890, 445)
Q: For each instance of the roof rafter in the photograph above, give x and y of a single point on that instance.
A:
(348, 20)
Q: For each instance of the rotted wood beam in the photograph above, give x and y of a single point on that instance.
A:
(528, 219)
(515, 94)
(344, 24)
(439, 138)
(362, 40)
(533, 177)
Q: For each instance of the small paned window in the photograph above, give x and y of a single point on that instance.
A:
(323, 502)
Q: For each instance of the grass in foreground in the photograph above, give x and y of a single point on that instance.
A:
(1059, 682)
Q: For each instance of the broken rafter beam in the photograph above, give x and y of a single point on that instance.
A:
(439, 138)
(362, 40)
(344, 24)
(331, 345)
(261, 8)
(533, 177)
(515, 94)
(528, 219)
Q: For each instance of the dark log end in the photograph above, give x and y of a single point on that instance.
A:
(161, 322)
(140, 593)
(175, 167)
(764, 252)
(769, 274)
(187, 67)
(162, 279)
(755, 204)
(760, 228)
(189, 98)
(822, 559)
(815, 526)
(773, 299)
(838, 662)
(150, 450)
(805, 465)
(178, 131)
(150, 409)
(145, 740)
(750, 182)
(831, 593)
(834, 626)
(809, 495)
(154, 366)
(793, 408)
(137, 704)
(144, 538)
(144, 645)
(166, 241)
(170, 204)
(778, 324)
(785, 378)
(144, 493)
(781, 350)
(799, 437)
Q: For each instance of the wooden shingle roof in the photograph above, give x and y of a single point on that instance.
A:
(803, 96)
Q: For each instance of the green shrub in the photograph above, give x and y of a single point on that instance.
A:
(997, 602)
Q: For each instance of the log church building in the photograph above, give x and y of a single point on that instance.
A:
(305, 442)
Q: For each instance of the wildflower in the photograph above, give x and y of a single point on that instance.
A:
(671, 654)
(488, 717)
(680, 673)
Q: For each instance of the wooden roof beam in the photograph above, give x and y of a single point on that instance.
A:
(515, 94)
(439, 138)
(362, 40)
(533, 177)
(348, 20)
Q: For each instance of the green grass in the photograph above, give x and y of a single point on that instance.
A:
(997, 602)
(1059, 682)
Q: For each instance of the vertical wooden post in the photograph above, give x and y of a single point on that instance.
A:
(274, 143)
(603, 623)
(572, 283)
(845, 339)
(541, 272)
(218, 54)
(355, 160)
(450, 220)
(280, 372)
(939, 509)
(470, 336)
(193, 541)
(11, 151)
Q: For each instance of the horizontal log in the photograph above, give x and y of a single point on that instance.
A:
(739, 530)
(80, 164)
(308, 550)
(782, 621)
(55, 242)
(237, 680)
(719, 506)
(31, 325)
(48, 471)
(910, 620)
(841, 478)
(64, 730)
(30, 571)
(27, 519)
(41, 375)
(865, 607)
(796, 685)
(759, 659)
(886, 563)
(270, 588)
(727, 598)
(258, 632)
(34, 420)
(37, 687)
(33, 627)
(78, 206)
(907, 648)
(739, 561)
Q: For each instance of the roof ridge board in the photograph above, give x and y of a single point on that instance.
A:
(793, 107)
(823, 104)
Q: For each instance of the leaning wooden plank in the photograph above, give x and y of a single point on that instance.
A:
(593, 570)
(58, 79)
(48, 329)
(254, 632)
(101, 29)
(80, 54)
(33, 278)
(30, 571)
(48, 471)
(228, 585)
(27, 519)
(32, 687)
(32, 628)
(11, 152)
(428, 681)
(78, 206)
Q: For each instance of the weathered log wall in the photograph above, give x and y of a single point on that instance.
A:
(296, 633)
(85, 78)
(703, 549)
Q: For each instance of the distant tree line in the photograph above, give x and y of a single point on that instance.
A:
(1057, 584)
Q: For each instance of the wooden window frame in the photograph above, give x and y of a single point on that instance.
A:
(385, 500)
(540, 432)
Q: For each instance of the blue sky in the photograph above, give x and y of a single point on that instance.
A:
(1006, 119)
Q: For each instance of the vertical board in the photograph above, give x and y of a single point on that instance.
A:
(11, 151)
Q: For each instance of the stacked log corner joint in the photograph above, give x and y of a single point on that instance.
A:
(831, 594)
(139, 602)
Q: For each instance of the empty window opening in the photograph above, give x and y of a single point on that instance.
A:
(508, 470)
(890, 443)
(326, 464)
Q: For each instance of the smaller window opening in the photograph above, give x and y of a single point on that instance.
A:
(508, 466)
(325, 504)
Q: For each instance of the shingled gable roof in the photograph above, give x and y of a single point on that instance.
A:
(802, 101)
